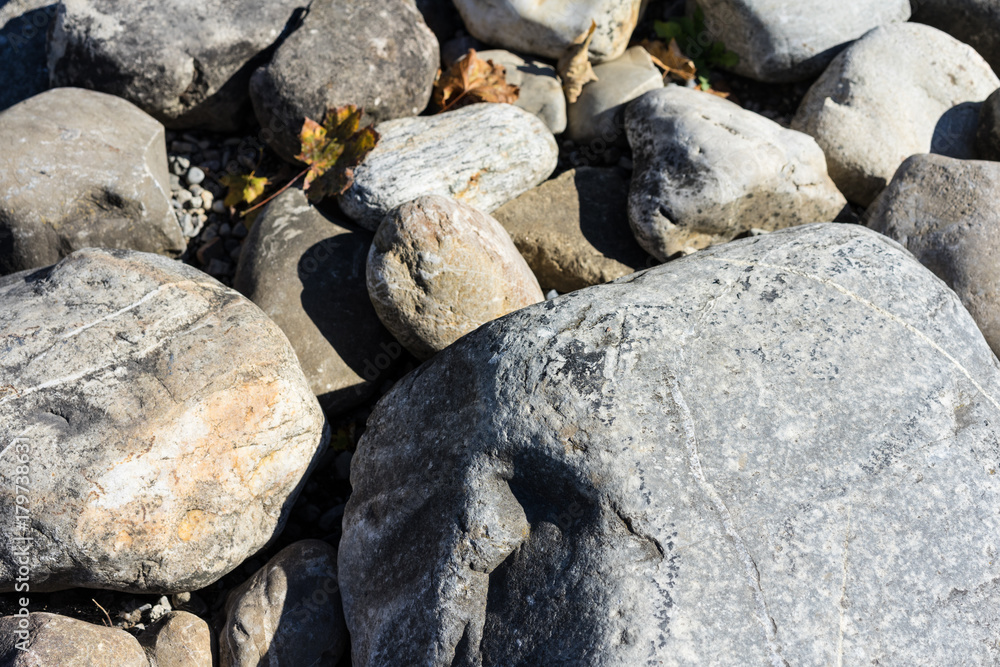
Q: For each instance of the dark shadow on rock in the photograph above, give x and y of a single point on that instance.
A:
(602, 196)
(955, 132)
(23, 59)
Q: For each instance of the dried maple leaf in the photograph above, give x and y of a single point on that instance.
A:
(472, 80)
(333, 149)
(574, 66)
(243, 188)
(671, 59)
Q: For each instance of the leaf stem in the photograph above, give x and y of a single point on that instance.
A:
(285, 187)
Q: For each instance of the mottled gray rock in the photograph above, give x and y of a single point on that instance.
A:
(947, 213)
(975, 22)
(541, 90)
(438, 269)
(548, 28)
(597, 113)
(166, 422)
(483, 155)
(307, 272)
(782, 42)
(777, 451)
(288, 613)
(898, 91)
(377, 54)
(23, 27)
(73, 180)
(988, 130)
(573, 230)
(60, 641)
(707, 170)
(186, 62)
(179, 639)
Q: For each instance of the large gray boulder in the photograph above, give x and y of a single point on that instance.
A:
(975, 22)
(376, 54)
(82, 169)
(185, 62)
(51, 640)
(947, 213)
(707, 170)
(780, 42)
(898, 91)
(163, 420)
(777, 451)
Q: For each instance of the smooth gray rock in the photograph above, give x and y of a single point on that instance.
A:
(988, 130)
(975, 22)
(707, 170)
(186, 62)
(548, 28)
(376, 54)
(483, 155)
(541, 90)
(947, 213)
(288, 613)
(777, 451)
(23, 59)
(166, 422)
(780, 42)
(60, 641)
(596, 116)
(306, 271)
(898, 91)
(71, 179)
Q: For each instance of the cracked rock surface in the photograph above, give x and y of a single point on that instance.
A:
(778, 451)
(165, 419)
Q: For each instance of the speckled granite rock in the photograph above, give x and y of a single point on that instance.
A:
(548, 28)
(167, 422)
(179, 639)
(483, 155)
(988, 130)
(900, 90)
(778, 451)
(71, 180)
(288, 613)
(377, 54)
(438, 269)
(61, 641)
(707, 170)
(974, 22)
(541, 90)
(781, 41)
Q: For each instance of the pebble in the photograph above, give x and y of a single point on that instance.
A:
(218, 206)
(195, 176)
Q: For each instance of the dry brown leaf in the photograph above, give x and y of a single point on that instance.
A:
(670, 59)
(472, 80)
(574, 65)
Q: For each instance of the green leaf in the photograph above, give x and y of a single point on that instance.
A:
(243, 188)
(728, 59)
(668, 30)
(703, 82)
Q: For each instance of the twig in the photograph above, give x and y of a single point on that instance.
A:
(285, 187)
(106, 614)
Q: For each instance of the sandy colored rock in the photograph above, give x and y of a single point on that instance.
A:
(179, 639)
(438, 269)
(60, 641)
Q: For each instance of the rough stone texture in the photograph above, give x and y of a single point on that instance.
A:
(73, 180)
(573, 230)
(597, 113)
(988, 130)
(707, 170)
(185, 62)
(777, 451)
(438, 269)
(947, 213)
(23, 66)
(975, 22)
(59, 641)
(541, 90)
(483, 155)
(288, 613)
(377, 54)
(167, 422)
(782, 42)
(179, 639)
(898, 91)
(548, 28)
(307, 273)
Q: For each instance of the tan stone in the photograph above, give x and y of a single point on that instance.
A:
(179, 639)
(60, 641)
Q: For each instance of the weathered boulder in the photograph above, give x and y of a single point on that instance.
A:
(707, 170)
(438, 269)
(288, 613)
(187, 63)
(377, 54)
(306, 271)
(898, 91)
(73, 180)
(975, 22)
(178, 639)
(53, 640)
(782, 42)
(776, 451)
(549, 28)
(163, 419)
(483, 155)
(541, 91)
(573, 230)
(988, 130)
